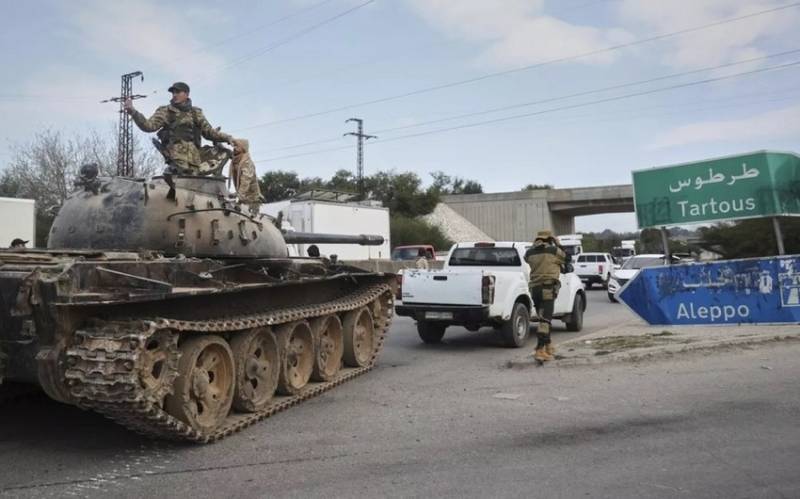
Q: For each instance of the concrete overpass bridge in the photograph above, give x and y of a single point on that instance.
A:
(515, 216)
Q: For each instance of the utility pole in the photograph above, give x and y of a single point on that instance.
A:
(125, 136)
(361, 136)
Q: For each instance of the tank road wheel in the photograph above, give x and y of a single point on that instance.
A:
(359, 337)
(257, 365)
(329, 343)
(158, 365)
(204, 387)
(296, 344)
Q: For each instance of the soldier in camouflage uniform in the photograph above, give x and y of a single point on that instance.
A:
(546, 259)
(243, 174)
(180, 127)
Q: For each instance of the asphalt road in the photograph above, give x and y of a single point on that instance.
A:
(453, 421)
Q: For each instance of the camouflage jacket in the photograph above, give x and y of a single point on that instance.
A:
(180, 124)
(545, 261)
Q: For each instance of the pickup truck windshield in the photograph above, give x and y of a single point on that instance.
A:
(408, 254)
(485, 257)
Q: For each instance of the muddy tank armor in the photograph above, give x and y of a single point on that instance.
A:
(167, 306)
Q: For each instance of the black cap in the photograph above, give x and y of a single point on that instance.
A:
(179, 86)
(18, 241)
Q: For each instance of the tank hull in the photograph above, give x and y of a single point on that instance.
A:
(69, 321)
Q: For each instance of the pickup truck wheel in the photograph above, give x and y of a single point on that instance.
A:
(575, 323)
(515, 330)
(429, 332)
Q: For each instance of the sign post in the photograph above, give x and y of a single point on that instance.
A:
(776, 224)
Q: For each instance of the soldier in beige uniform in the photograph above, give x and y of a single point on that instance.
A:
(243, 174)
(180, 127)
(546, 259)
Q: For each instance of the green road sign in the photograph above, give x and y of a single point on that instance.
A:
(758, 184)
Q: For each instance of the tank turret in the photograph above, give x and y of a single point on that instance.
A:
(198, 219)
(192, 216)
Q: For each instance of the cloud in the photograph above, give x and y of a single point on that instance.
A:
(518, 34)
(717, 45)
(149, 32)
(772, 125)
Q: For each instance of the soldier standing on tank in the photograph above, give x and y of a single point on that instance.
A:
(545, 258)
(243, 173)
(180, 127)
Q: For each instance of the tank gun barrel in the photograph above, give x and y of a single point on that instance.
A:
(314, 238)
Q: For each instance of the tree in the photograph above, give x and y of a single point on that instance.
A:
(444, 184)
(402, 193)
(536, 187)
(750, 238)
(470, 187)
(45, 168)
(277, 185)
(409, 230)
(344, 181)
(9, 186)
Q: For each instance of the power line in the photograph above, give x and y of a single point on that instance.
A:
(698, 105)
(263, 26)
(599, 101)
(521, 69)
(557, 98)
(550, 110)
(296, 35)
(589, 92)
(383, 58)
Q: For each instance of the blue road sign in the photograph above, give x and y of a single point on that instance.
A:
(750, 291)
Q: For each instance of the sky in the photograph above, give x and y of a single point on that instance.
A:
(571, 93)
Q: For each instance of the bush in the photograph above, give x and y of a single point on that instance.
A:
(406, 230)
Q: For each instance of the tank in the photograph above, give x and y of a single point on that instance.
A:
(171, 308)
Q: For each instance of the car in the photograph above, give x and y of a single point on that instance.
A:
(594, 268)
(483, 284)
(630, 268)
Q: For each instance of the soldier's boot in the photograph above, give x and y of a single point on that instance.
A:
(542, 341)
(550, 349)
(541, 354)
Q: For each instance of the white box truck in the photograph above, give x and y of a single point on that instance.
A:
(17, 220)
(325, 217)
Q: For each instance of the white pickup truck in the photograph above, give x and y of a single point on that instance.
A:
(483, 284)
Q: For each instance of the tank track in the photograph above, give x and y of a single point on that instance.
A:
(102, 375)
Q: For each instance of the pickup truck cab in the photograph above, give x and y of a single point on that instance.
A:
(483, 284)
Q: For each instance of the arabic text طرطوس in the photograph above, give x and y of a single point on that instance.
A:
(715, 178)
